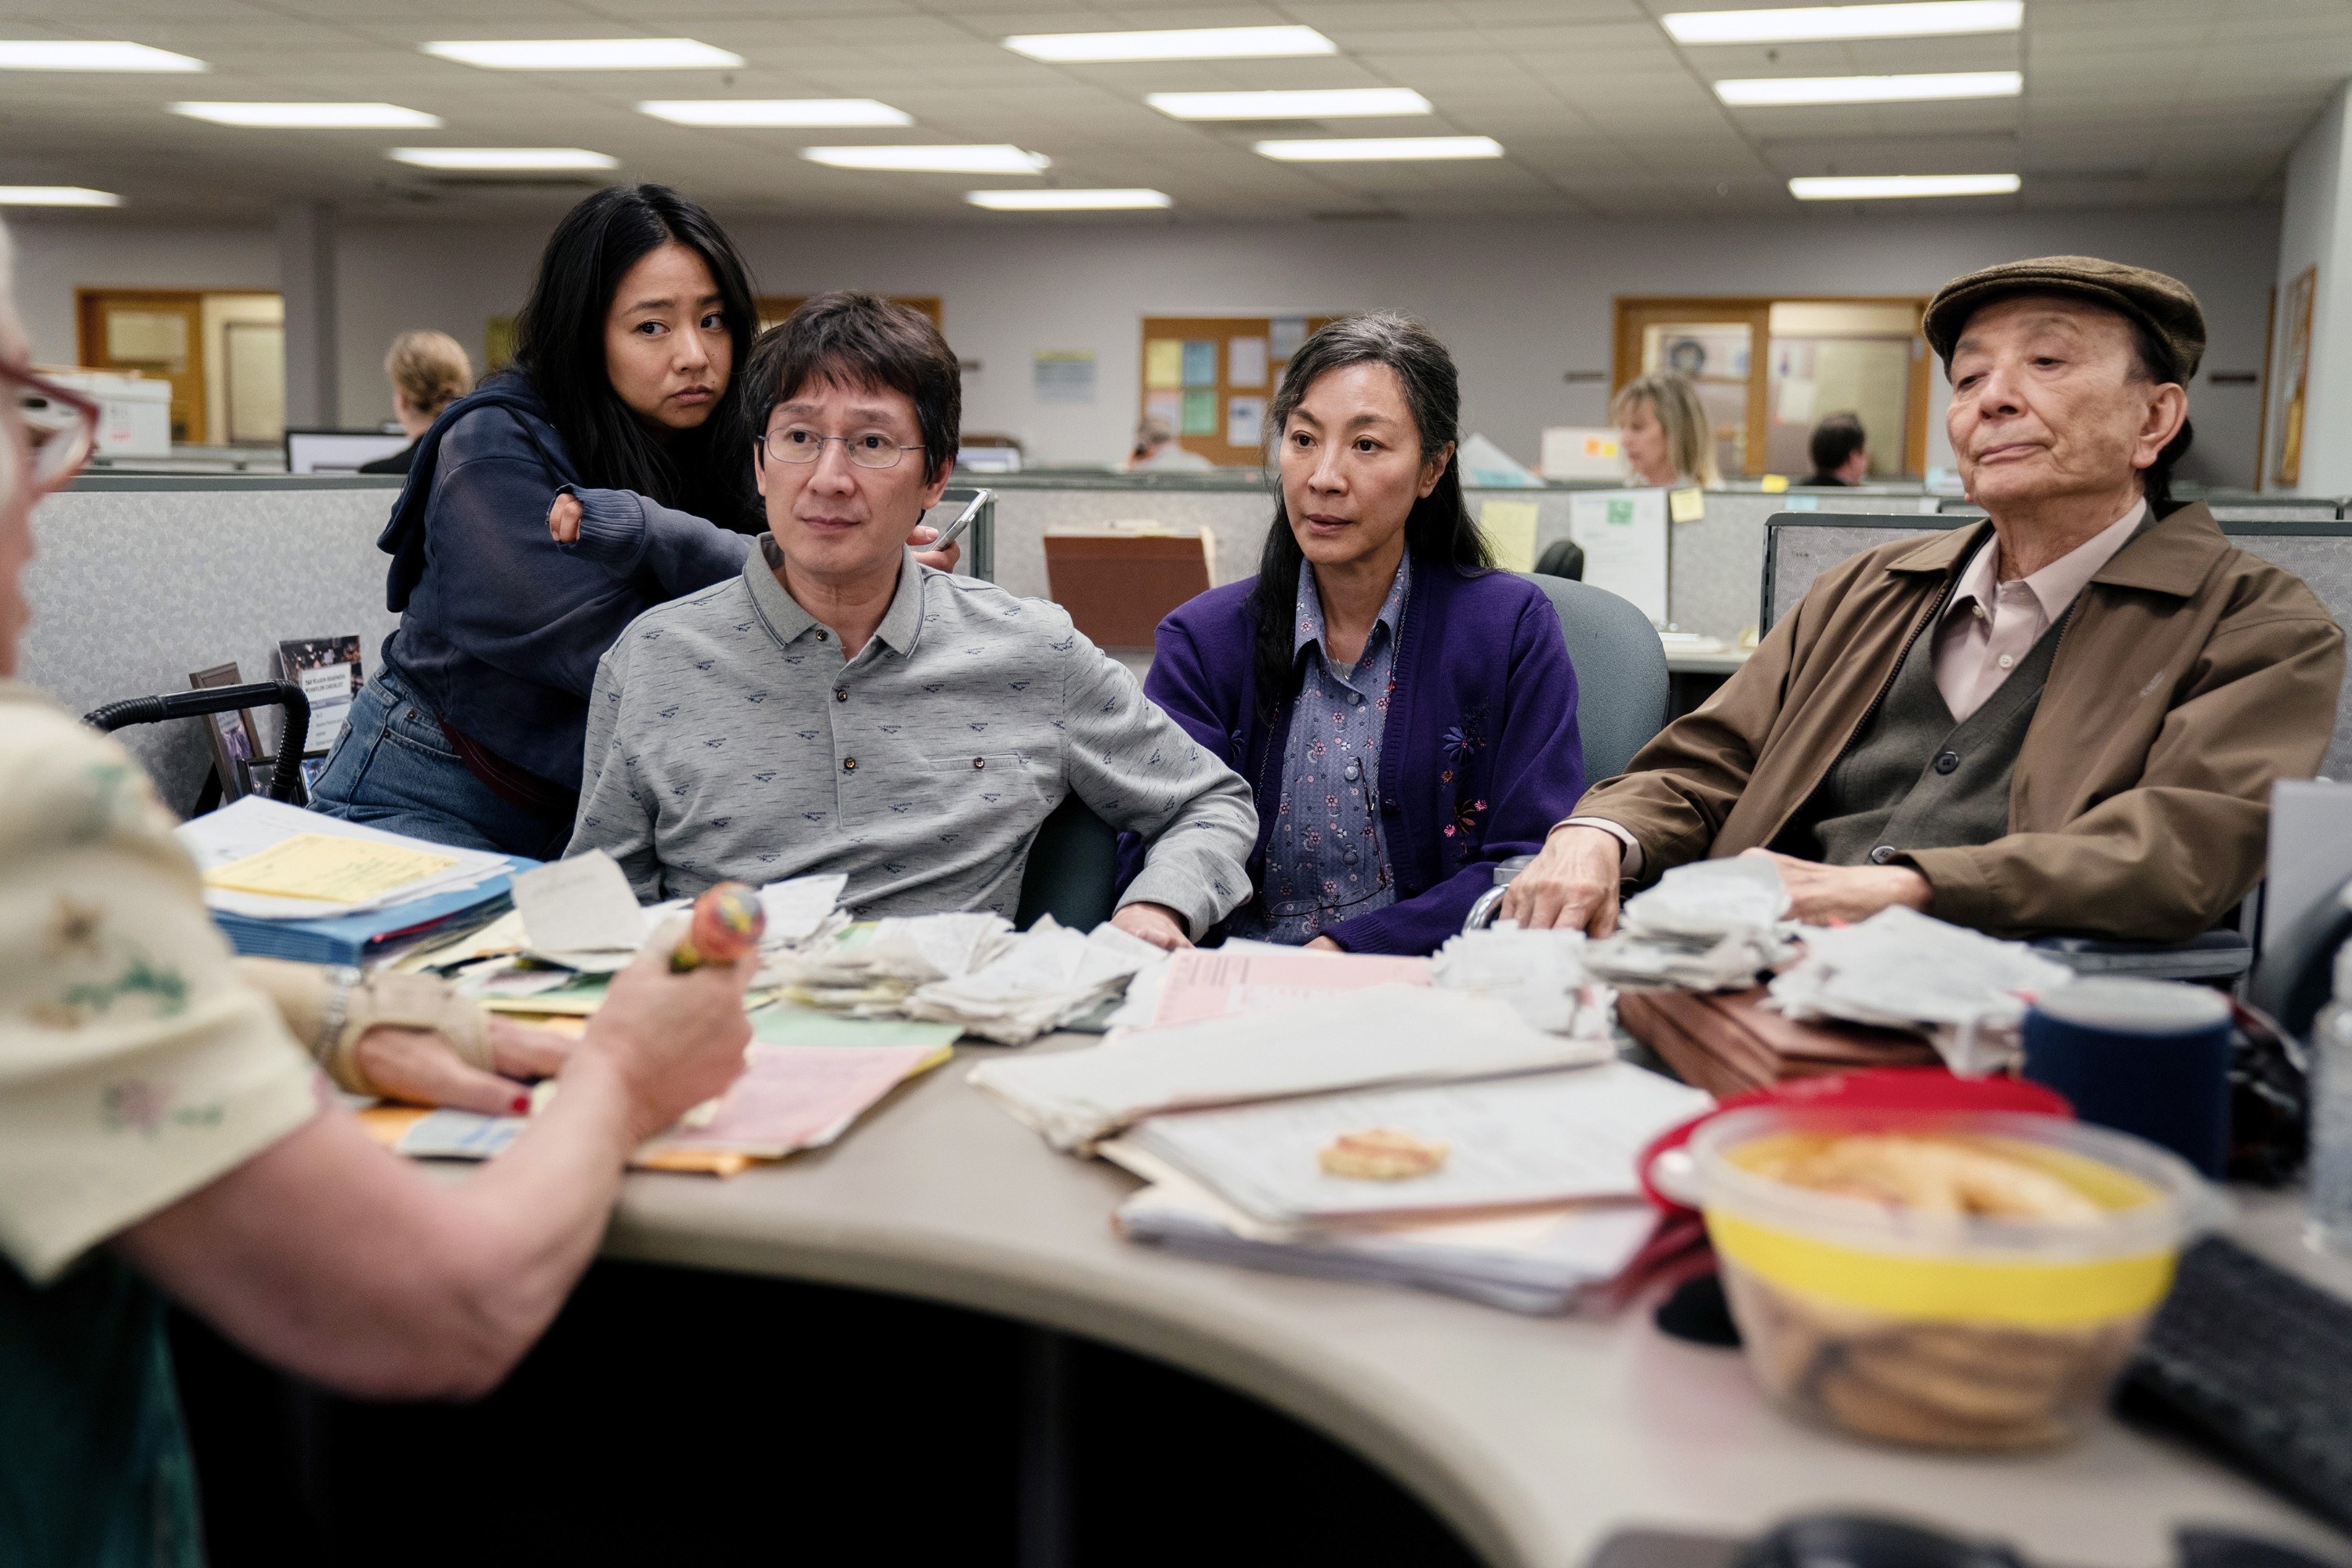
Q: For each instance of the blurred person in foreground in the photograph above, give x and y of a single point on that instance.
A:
(2066, 718)
(1841, 453)
(428, 371)
(164, 1130)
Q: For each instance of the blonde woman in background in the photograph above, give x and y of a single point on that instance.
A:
(1663, 431)
(428, 371)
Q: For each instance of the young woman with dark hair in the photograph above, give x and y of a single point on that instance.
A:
(1406, 714)
(609, 470)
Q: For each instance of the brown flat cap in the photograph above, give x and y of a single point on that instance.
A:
(2163, 305)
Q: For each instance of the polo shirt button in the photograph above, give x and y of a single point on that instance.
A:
(1350, 857)
(1355, 769)
(823, 636)
(980, 762)
(2005, 661)
(849, 764)
(839, 695)
(1947, 761)
(1882, 854)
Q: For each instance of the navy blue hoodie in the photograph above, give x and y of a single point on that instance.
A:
(500, 628)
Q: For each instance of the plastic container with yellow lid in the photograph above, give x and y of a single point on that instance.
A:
(1952, 1329)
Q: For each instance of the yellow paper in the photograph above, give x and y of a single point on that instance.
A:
(328, 868)
(1163, 363)
(1511, 529)
(1774, 484)
(1686, 506)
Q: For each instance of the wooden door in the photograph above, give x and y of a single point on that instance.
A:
(158, 333)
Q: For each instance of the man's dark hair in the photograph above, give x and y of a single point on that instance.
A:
(560, 349)
(1437, 529)
(2157, 366)
(1836, 439)
(861, 340)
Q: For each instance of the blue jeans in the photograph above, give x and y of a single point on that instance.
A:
(392, 768)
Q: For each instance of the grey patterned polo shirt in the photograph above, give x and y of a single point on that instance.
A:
(728, 738)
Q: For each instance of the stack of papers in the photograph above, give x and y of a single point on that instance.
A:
(282, 882)
(1543, 1263)
(1709, 926)
(1544, 1138)
(579, 913)
(870, 971)
(1389, 1034)
(1967, 992)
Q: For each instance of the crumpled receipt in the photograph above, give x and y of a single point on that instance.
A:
(1708, 926)
(1539, 973)
(1965, 991)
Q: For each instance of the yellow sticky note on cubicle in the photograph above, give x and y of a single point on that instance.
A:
(1686, 506)
(1163, 363)
(1775, 484)
(328, 868)
(1511, 529)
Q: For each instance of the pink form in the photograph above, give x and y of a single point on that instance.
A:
(802, 1097)
(1210, 983)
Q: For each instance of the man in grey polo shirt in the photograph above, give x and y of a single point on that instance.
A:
(840, 707)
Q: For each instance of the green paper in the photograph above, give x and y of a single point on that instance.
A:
(783, 1024)
(1200, 414)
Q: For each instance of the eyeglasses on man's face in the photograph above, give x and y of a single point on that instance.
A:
(60, 425)
(866, 448)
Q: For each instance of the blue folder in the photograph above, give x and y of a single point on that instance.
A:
(373, 934)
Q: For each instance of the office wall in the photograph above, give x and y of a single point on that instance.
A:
(2317, 232)
(1522, 302)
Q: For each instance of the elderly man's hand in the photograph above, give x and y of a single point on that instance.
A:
(1155, 923)
(1819, 894)
(940, 560)
(422, 1069)
(1573, 883)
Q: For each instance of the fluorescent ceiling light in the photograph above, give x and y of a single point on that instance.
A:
(1371, 148)
(1816, 24)
(311, 116)
(769, 111)
(584, 54)
(57, 197)
(1176, 44)
(502, 159)
(1757, 93)
(995, 158)
(1067, 201)
(90, 55)
(1336, 103)
(1870, 187)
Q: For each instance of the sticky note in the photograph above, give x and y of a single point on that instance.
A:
(1511, 529)
(1246, 362)
(1686, 506)
(1200, 412)
(1163, 363)
(1775, 484)
(328, 868)
(1201, 361)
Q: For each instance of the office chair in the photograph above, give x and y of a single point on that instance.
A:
(286, 773)
(1072, 870)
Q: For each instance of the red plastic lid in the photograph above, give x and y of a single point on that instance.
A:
(1878, 1089)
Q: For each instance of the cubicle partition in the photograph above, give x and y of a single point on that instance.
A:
(1801, 546)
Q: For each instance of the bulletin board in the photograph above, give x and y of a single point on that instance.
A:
(1212, 377)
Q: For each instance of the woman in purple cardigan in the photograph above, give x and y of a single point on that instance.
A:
(1406, 714)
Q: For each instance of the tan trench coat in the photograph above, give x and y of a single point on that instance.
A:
(2190, 676)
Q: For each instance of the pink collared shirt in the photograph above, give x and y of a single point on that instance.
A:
(1987, 630)
(1990, 625)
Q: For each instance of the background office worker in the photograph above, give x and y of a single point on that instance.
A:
(2067, 718)
(621, 419)
(1407, 715)
(1663, 431)
(160, 1126)
(428, 371)
(1841, 452)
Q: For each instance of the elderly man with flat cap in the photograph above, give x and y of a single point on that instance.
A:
(2065, 719)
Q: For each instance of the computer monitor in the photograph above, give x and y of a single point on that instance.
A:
(338, 451)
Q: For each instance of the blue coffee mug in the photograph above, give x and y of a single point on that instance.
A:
(2150, 1057)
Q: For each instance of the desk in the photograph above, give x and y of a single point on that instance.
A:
(1534, 1437)
(1693, 677)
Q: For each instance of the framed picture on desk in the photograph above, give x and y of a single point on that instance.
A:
(235, 739)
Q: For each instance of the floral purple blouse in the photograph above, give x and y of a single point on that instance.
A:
(1325, 861)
